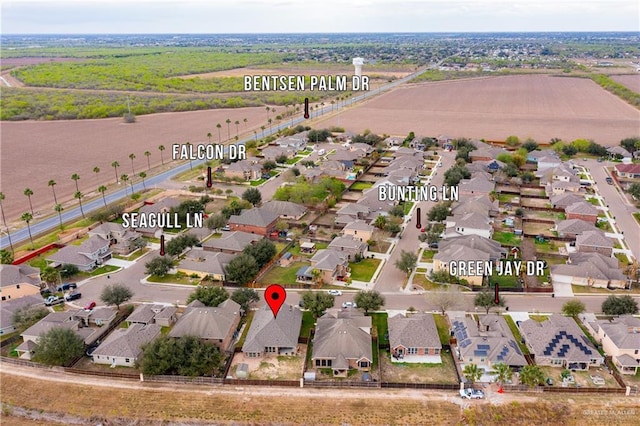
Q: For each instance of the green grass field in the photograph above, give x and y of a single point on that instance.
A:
(280, 275)
(361, 186)
(507, 238)
(379, 323)
(364, 270)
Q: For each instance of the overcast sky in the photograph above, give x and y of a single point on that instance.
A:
(285, 16)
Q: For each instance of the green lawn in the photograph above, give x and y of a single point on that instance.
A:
(504, 281)
(295, 250)
(427, 255)
(136, 254)
(104, 270)
(516, 334)
(539, 318)
(364, 270)
(637, 217)
(361, 186)
(443, 328)
(379, 323)
(258, 182)
(283, 276)
(307, 323)
(173, 279)
(406, 206)
(593, 201)
(247, 321)
(507, 238)
(294, 160)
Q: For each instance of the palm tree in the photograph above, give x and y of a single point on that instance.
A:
(53, 183)
(28, 192)
(531, 375)
(228, 121)
(148, 154)
(143, 175)
(132, 157)
(332, 104)
(262, 128)
(5, 220)
(50, 276)
(268, 109)
(209, 137)
(219, 126)
(78, 195)
(115, 166)
(188, 144)
(255, 135)
(161, 148)
(245, 123)
(124, 177)
(102, 189)
(96, 170)
(502, 372)
(472, 372)
(322, 105)
(27, 217)
(76, 178)
(237, 123)
(59, 209)
(269, 121)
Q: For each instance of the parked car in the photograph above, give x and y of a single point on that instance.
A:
(471, 394)
(66, 286)
(226, 228)
(45, 292)
(53, 300)
(349, 305)
(609, 181)
(335, 292)
(72, 296)
(90, 306)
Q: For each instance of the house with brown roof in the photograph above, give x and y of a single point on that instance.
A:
(215, 325)
(257, 220)
(18, 281)
(590, 269)
(414, 339)
(627, 171)
(594, 241)
(559, 342)
(342, 342)
(620, 339)
(89, 255)
(231, 242)
(123, 346)
(269, 335)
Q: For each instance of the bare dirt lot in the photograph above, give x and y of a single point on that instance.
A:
(272, 367)
(632, 81)
(35, 151)
(537, 106)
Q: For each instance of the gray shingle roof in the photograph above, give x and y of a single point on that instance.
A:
(285, 208)
(206, 261)
(590, 265)
(574, 226)
(359, 225)
(256, 216)
(477, 184)
(18, 274)
(581, 207)
(414, 331)
(232, 241)
(127, 342)
(267, 331)
(624, 331)
(328, 259)
(144, 313)
(477, 242)
(347, 242)
(341, 339)
(9, 307)
(207, 323)
(594, 238)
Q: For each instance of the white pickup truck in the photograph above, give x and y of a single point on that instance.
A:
(471, 394)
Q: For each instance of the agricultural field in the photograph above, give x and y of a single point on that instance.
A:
(631, 81)
(495, 107)
(60, 148)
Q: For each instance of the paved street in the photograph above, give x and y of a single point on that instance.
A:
(391, 279)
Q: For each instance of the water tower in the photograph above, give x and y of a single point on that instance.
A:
(358, 63)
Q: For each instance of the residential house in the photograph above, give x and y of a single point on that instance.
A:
(571, 228)
(342, 342)
(393, 141)
(297, 142)
(332, 264)
(404, 151)
(271, 153)
(562, 201)
(18, 281)
(231, 242)
(10, 306)
(582, 210)
(257, 220)
(414, 338)
(351, 212)
(620, 153)
(627, 171)
(286, 209)
(359, 230)
(544, 159)
(244, 169)
(146, 314)
(480, 204)
(466, 249)
(485, 152)
(559, 342)
(123, 346)
(215, 325)
(101, 316)
(620, 339)
(163, 206)
(121, 240)
(204, 263)
(594, 241)
(366, 148)
(269, 335)
(589, 269)
(469, 224)
(348, 244)
(346, 156)
(485, 343)
(477, 185)
(89, 255)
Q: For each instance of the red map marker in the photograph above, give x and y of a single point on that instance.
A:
(275, 295)
(306, 107)
(161, 245)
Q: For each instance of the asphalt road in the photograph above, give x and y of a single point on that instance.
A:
(391, 279)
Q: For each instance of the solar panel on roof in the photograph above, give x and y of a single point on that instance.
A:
(479, 353)
(484, 347)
